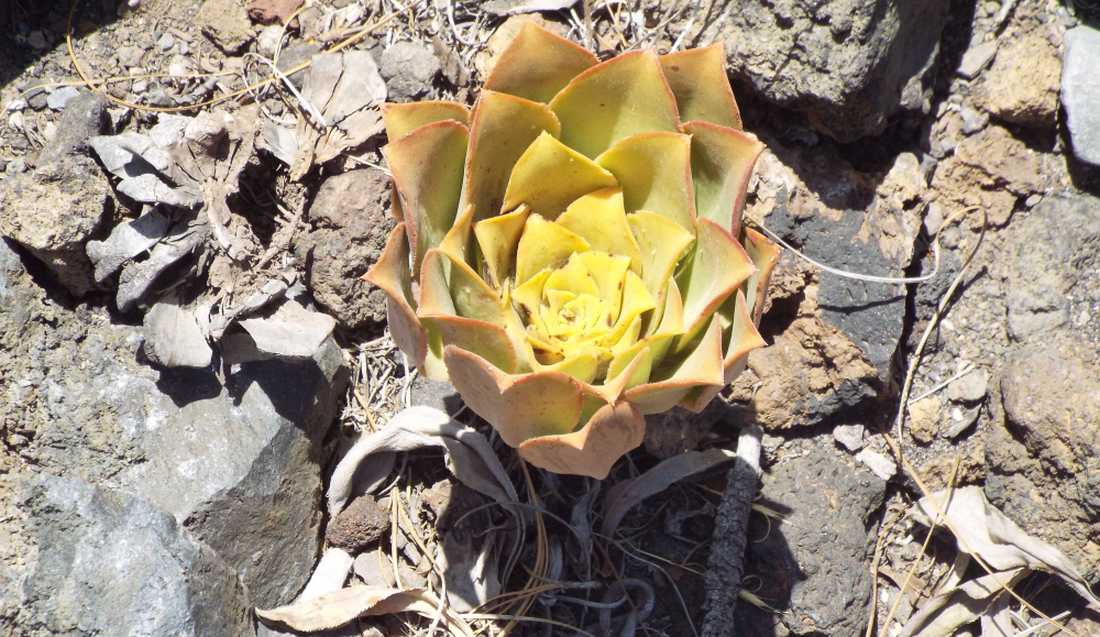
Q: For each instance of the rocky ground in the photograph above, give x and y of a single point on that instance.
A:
(186, 347)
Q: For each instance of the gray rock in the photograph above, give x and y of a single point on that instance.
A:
(1045, 294)
(434, 393)
(872, 314)
(294, 54)
(1046, 444)
(54, 211)
(109, 563)
(58, 98)
(821, 566)
(85, 116)
(847, 64)
(408, 69)
(1081, 92)
(970, 388)
(237, 467)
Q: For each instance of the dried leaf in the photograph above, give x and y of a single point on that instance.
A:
(981, 530)
(173, 337)
(291, 331)
(346, 90)
(948, 611)
(504, 8)
(470, 571)
(625, 495)
(329, 574)
(337, 608)
(127, 240)
(271, 291)
(280, 141)
(138, 277)
(470, 457)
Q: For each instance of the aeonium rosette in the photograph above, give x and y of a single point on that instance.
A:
(571, 255)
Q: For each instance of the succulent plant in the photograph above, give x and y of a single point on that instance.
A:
(570, 253)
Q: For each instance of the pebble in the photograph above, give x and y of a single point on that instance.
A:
(268, 40)
(179, 66)
(37, 40)
(976, 59)
(879, 464)
(1033, 200)
(973, 120)
(15, 166)
(37, 101)
(851, 436)
(130, 56)
(166, 42)
(140, 86)
(961, 420)
(924, 419)
(970, 388)
(16, 104)
(58, 98)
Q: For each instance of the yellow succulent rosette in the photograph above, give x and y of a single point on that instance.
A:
(570, 253)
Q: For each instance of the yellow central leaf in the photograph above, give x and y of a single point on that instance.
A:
(544, 244)
(600, 218)
(549, 175)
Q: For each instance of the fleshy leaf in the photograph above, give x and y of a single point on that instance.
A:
(581, 365)
(519, 407)
(609, 273)
(427, 172)
(741, 338)
(662, 243)
(721, 165)
(490, 341)
(638, 354)
(502, 127)
(718, 266)
(402, 119)
(701, 368)
(654, 170)
(498, 237)
(764, 255)
(473, 297)
(537, 64)
(544, 244)
(549, 175)
(600, 219)
(456, 243)
(698, 79)
(625, 95)
(593, 449)
(391, 274)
